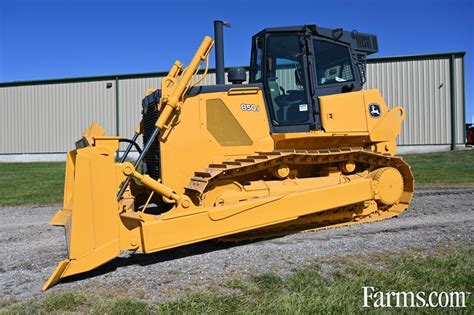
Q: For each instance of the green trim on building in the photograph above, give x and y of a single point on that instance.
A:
(85, 79)
(463, 101)
(457, 54)
(452, 92)
(117, 112)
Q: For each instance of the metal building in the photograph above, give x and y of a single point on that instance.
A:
(41, 120)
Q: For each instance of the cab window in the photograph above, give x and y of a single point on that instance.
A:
(333, 63)
(256, 61)
(285, 80)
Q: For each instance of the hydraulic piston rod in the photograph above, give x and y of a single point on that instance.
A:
(171, 96)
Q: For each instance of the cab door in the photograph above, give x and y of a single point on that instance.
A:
(281, 65)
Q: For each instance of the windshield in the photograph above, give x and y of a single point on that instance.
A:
(285, 79)
(333, 63)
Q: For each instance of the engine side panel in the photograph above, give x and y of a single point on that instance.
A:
(356, 119)
(211, 128)
(343, 113)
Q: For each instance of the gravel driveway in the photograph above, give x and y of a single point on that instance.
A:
(30, 249)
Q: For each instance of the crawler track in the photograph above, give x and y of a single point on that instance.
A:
(258, 166)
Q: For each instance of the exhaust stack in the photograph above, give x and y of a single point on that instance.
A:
(219, 42)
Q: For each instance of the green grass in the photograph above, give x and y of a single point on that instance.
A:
(31, 183)
(42, 183)
(444, 168)
(306, 291)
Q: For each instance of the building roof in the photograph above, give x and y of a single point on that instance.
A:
(458, 54)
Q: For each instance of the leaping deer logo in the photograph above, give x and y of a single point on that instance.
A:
(374, 110)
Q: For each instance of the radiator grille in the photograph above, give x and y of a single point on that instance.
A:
(151, 165)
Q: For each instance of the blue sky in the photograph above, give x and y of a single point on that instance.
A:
(56, 39)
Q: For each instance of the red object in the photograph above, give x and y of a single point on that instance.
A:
(470, 135)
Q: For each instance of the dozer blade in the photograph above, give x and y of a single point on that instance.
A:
(90, 213)
(56, 275)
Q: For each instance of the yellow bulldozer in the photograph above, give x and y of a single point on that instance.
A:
(300, 147)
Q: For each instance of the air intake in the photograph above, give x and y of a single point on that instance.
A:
(366, 42)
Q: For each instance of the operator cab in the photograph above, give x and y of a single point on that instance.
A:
(298, 64)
